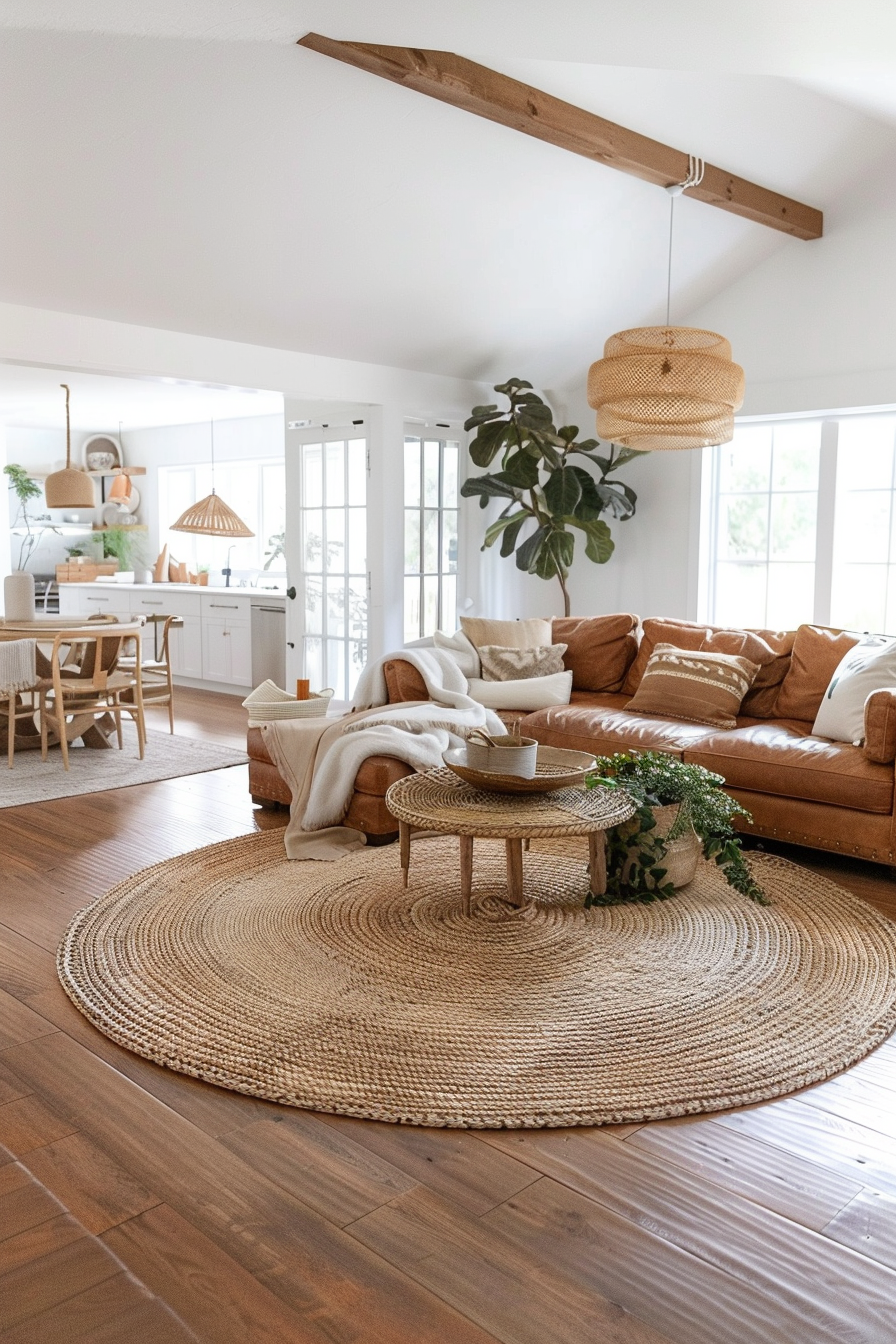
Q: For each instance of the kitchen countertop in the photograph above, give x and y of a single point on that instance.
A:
(261, 594)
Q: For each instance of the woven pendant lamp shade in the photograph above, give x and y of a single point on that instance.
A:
(212, 517)
(660, 388)
(71, 488)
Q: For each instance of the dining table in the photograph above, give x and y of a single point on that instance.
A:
(43, 629)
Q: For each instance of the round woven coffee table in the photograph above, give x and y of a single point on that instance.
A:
(439, 801)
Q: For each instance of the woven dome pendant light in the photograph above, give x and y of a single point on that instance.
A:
(211, 516)
(660, 388)
(71, 488)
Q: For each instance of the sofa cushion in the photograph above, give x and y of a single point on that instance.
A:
(817, 651)
(601, 724)
(782, 758)
(600, 649)
(771, 649)
(700, 687)
(528, 634)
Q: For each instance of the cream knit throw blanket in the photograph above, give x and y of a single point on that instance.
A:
(17, 666)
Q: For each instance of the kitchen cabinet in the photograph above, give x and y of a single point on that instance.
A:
(226, 639)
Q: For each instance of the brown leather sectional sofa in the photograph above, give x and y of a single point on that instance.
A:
(799, 788)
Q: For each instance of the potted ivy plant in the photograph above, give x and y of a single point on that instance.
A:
(551, 494)
(637, 851)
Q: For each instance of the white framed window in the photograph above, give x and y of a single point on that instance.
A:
(255, 489)
(334, 577)
(431, 465)
(800, 524)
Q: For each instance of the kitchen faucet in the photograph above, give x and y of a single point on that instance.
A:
(226, 571)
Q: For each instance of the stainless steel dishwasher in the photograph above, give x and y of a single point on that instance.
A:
(268, 644)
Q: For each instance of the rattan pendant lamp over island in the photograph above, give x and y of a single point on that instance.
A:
(211, 516)
(660, 388)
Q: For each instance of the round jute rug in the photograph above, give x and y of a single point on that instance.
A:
(329, 986)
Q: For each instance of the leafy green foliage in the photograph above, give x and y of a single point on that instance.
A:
(25, 489)
(543, 486)
(635, 855)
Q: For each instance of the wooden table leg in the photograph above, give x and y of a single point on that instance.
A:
(404, 846)
(466, 873)
(515, 871)
(597, 849)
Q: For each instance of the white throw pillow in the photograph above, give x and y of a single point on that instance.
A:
(533, 693)
(869, 666)
(461, 650)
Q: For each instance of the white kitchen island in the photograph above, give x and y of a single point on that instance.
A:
(229, 641)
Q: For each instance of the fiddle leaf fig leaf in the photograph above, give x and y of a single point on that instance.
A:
(527, 554)
(520, 469)
(487, 487)
(563, 490)
(488, 441)
(508, 540)
(493, 532)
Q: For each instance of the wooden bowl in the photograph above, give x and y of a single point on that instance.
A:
(555, 768)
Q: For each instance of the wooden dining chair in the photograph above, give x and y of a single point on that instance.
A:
(20, 703)
(158, 683)
(70, 697)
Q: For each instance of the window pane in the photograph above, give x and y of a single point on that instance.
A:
(743, 527)
(312, 540)
(335, 453)
(449, 541)
(448, 619)
(863, 526)
(431, 472)
(336, 596)
(336, 667)
(314, 605)
(430, 604)
(430, 541)
(336, 541)
(865, 452)
(313, 663)
(412, 541)
(795, 456)
(859, 599)
(357, 608)
(740, 598)
(411, 609)
(791, 595)
(449, 475)
(745, 464)
(411, 472)
(312, 480)
(357, 471)
(357, 657)
(793, 529)
(357, 541)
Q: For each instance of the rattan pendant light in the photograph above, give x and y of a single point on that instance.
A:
(211, 516)
(71, 488)
(660, 388)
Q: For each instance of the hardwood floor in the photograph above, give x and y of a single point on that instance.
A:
(140, 1205)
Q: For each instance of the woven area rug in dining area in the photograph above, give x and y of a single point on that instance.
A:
(167, 756)
(330, 986)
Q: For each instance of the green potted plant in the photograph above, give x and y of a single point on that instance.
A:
(25, 489)
(550, 496)
(121, 544)
(636, 850)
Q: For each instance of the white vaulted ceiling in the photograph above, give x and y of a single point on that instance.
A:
(186, 166)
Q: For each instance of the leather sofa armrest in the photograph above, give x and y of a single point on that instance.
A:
(403, 681)
(880, 726)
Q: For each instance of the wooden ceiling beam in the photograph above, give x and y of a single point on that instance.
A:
(476, 88)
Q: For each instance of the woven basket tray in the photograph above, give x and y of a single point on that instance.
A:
(268, 702)
(556, 768)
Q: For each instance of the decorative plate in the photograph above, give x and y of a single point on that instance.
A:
(556, 768)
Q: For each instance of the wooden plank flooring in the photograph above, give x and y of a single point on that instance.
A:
(137, 1204)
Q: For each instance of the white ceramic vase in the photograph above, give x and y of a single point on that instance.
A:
(18, 596)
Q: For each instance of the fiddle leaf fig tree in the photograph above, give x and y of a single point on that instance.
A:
(550, 495)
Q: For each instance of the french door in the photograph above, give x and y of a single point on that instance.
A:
(327, 526)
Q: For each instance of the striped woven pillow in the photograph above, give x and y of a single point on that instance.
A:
(700, 687)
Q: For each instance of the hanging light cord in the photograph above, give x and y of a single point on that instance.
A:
(696, 169)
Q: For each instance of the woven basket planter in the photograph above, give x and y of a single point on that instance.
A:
(682, 854)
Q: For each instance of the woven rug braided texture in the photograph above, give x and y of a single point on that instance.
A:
(329, 986)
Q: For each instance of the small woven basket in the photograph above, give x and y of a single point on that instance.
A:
(504, 756)
(268, 702)
(683, 853)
